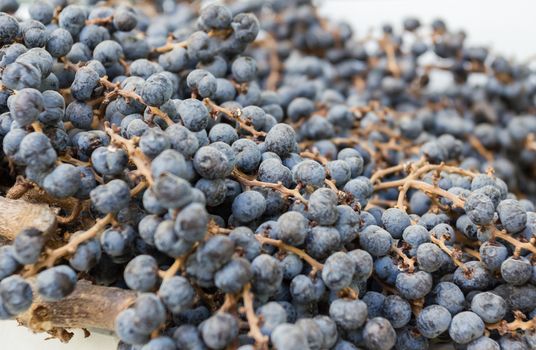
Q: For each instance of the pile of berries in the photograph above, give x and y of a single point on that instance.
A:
(250, 175)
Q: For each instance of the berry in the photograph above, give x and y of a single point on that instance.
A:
(141, 273)
(490, 307)
(397, 310)
(219, 330)
(414, 285)
(56, 283)
(111, 197)
(64, 181)
(466, 327)
(378, 334)
(348, 314)
(248, 206)
(338, 271)
(16, 294)
(433, 320)
(177, 294)
(293, 228)
(288, 336)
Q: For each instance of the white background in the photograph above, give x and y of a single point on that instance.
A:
(507, 26)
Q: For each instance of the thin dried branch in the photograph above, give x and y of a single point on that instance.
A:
(169, 46)
(477, 145)
(422, 171)
(348, 293)
(379, 202)
(71, 160)
(424, 187)
(314, 156)
(414, 174)
(261, 341)
(452, 253)
(177, 264)
(214, 229)
(518, 245)
(140, 160)
(37, 127)
(75, 211)
(229, 303)
(416, 306)
(407, 263)
(331, 185)
(158, 112)
(472, 252)
(129, 94)
(390, 51)
(316, 266)
(388, 171)
(54, 255)
(519, 324)
(530, 142)
(234, 115)
(138, 188)
(100, 21)
(385, 287)
(244, 180)
(275, 65)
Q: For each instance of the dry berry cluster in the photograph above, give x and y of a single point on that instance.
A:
(253, 176)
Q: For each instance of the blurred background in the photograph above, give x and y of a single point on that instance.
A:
(505, 27)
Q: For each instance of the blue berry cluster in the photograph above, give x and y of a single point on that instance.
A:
(255, 176)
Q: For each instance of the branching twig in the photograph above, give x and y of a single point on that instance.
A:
(234, 115)
(530, 142)
(243, 179)
(314, 156)
(138, 188)
(37, 127)
(142, 162)
(69, 248)
(414, 174)
(518, 324)
(425, 187)
(407, 263)
(229, 303)
(454, 255)
(275, 63)
(261, 341)
(390, 51)
(427, 168)
(177, 264)
(170, 46)
(75, 211)
(71, 160)
(100, 21)
(214, 229)
(477, 145)
(416, 306)
(472, 252)
(388, 171)
(117, 91)
(316, 266)
(158, 112)
(349, 293)
(516, 243)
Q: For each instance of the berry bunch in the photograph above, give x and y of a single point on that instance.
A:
(253, 176)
